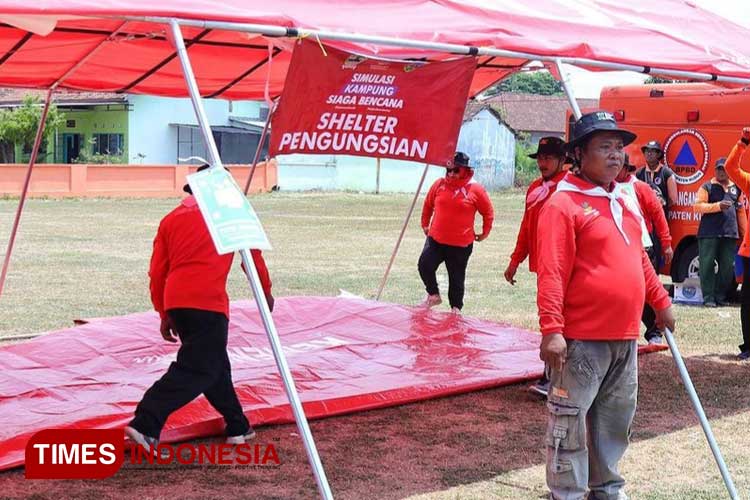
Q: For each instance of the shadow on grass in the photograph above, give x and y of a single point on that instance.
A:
(417, 448)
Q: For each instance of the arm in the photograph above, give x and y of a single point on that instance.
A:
(702, 206)
(158, 270)
(656, 296)
(732, 166)
(742, 217)
(672, 190)
(429, 207)
(558, 245)
(652, 209)
(263, 275)
(484, 206)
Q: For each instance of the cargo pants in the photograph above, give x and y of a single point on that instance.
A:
(591, 406)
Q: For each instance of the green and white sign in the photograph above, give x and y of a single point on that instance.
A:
(230, 218)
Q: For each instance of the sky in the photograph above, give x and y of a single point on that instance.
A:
(587, 84)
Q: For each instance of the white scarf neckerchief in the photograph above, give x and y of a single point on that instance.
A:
(614, 206)
(539, 193)
(628, 187)
(463, 189)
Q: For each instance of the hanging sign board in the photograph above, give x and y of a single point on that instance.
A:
(335, 102)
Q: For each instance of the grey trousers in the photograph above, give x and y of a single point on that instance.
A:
(591, 406)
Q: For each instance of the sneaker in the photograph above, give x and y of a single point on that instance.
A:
(541, 387)
(431, 301)
(656, 340)
(456, 310)
(745, 355)
(235, 440)
(148, 442)
(710, 303)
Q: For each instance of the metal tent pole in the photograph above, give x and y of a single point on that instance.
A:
(25, 190)
(403, 230)
(259, 149)
(701, 415)
(293, 32)
(253, 279)
(568, 90)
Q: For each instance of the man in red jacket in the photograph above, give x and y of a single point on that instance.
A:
(448, 222)
(188, 290)
(550, 158)
(593, 277)
(657, 231)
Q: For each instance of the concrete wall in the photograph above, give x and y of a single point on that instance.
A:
(151, 135)
(491, 146)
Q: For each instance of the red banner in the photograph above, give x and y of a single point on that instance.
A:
(340, 103)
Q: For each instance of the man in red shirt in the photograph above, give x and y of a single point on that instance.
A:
(188, 290)
(593, 277)
(657, 236)
(448, 222)
(550, 158)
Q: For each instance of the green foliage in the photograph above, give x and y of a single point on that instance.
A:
(19, 125)
(657, 79)
(537, 82)
(86, 156)
(526, 168)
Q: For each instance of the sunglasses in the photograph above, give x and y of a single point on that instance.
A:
(454, 170)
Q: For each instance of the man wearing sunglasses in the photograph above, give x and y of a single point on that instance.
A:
(448, 222)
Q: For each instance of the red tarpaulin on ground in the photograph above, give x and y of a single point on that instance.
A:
(338, 103)
(345, 355)
(136, 57)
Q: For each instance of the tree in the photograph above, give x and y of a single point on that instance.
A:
(658, 79)
(537, 82)
(18, 126)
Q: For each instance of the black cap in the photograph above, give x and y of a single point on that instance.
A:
(203, 167)
(461, 160)
(550, 146)
(655, 145)
(720, 163)
(597, 121)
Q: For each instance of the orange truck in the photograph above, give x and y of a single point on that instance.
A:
(696, 123)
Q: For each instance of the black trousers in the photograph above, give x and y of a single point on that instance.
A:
(456, 259)
(202, 367)
(649, 316)
(745, 305)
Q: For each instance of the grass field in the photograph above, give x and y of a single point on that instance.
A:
(89, 258)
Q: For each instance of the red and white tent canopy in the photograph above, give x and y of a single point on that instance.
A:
(41, 40)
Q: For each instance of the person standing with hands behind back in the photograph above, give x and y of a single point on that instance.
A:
(448, 222)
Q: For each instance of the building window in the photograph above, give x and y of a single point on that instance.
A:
(109, 144)
(70, 123)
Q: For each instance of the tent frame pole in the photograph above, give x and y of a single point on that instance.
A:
(403, 231)
(568, 89)
(294, 32)
(253, 279)
(259, 149)
(26, 184)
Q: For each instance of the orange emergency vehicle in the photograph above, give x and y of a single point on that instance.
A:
(696, 123)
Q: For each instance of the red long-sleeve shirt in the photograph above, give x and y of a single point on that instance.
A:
(742, 180)
(186, 271)
(526, 240)
(653, 213)
(591, 283)
(449, 214)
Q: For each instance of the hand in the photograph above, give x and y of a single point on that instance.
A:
(554, 350)
(426, 230)
(725, 204)
(168, 331)
(510, 273)
(270, 300)
(668, 253)
(665, 319)
(746, 133)
(480, 237)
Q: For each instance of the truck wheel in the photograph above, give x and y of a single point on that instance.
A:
(688, 263)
